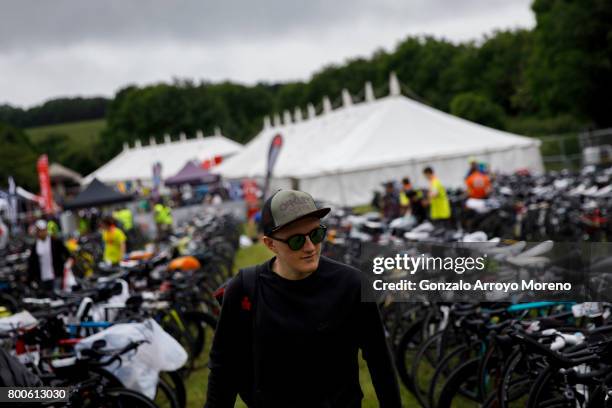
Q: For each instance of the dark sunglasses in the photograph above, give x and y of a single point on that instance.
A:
(297, 241)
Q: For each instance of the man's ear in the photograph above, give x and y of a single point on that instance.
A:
(269, 243)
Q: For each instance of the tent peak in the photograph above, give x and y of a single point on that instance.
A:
(167, 139)
(152, 141)
(297, 114)
(217, 131)
(126, 146)
(199, 134)
(267, 124)
(394, 85)
(138, 144)
(311, 111)
(327, 106)
(277, 120)
(346, 98)
(182, 137)
(287, 117)
(369, 92)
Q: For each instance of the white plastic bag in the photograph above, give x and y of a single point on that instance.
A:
(19, 320)
(139, 370)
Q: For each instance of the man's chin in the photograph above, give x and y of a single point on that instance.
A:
(309, 265)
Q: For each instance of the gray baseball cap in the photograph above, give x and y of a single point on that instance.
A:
(287, 206)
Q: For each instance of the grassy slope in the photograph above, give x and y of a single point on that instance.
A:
(80, 133)
(76, 145)
(196, 384)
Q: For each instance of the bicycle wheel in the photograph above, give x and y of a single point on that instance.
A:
(199, 325)
(461, 388)
(424, 365)
(165, 397)
(516, 381)
(9, 302)
(446, 367)
(551, 390)
(178, 330)
(175, 380)
(119, 398)
(405, 352)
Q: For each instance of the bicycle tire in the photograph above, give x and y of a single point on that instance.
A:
(9, 302)
(507, 390)
(171, 399)
(407, 339)
(121, 398)
(424, 354)
(441, 368)
(175, 380)
(203, 321)
(453, 388)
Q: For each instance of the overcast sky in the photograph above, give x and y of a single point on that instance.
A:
(59, 48)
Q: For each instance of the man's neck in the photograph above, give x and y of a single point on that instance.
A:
(288, 273)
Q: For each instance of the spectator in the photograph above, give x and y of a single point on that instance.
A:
(53, 228)
(478, 184)
(411, 200)
(439, 206)
(376, 202)
(114, 241)
(404, 196)
(390, 202)
(48, 257)
(162, 215)
(4, 232)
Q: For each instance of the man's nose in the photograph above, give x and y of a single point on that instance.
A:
(308, 245)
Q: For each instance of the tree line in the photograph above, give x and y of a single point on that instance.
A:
(54, 111)
(554, 78)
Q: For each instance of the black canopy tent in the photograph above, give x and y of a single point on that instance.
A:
(97, 194)
(192, 174)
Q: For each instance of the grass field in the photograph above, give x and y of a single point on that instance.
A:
(75, 145)
(80, 133)
(196, 383)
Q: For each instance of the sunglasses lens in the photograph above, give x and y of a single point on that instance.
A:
(296, 242)
(318, 235)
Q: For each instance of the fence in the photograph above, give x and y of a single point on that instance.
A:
(574, 150)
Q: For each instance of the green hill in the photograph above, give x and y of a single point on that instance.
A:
(80, 133)
(74, 145)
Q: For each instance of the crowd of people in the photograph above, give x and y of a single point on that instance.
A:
(51, 255)
(431, 203)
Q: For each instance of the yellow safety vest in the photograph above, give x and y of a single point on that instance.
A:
(439, 207)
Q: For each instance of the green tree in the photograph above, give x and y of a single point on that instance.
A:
(17, 158)
(478, 108)
(570, 68)
(60, 110)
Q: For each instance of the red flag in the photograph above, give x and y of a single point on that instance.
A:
(218, 160)
(45, 183)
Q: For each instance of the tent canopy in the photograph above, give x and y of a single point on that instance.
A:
(343, 155)
(136, 163)
(97, 194)
(59, 173)
(192, 174)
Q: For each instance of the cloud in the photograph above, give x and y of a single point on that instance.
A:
(50, 49)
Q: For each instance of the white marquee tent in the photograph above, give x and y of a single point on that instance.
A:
(343, 155)
(136, 163)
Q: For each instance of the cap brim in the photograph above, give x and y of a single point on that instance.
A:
(320, 213)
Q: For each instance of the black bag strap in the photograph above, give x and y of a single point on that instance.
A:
(250, 280)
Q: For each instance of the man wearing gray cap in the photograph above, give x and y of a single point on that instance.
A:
(290, 329)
